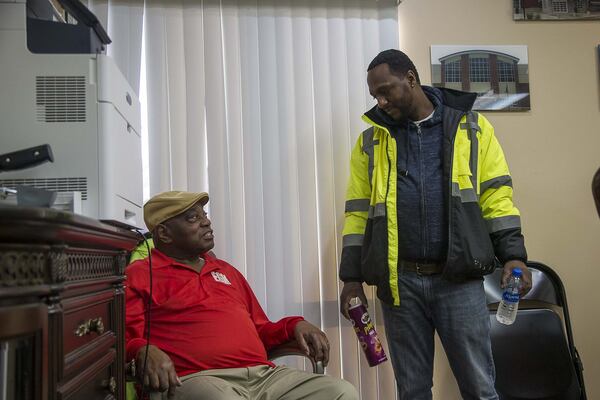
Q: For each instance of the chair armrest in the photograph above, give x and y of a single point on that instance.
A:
(292, 348)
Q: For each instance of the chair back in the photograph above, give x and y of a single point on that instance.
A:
(543, 289)
(535, 357)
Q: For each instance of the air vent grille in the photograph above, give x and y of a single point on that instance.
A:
(54, 184)
(60, 98)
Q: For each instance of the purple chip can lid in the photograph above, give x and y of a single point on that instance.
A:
(355, 302)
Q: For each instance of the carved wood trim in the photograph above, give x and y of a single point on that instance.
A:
(22, 268)
(55, 344)
(58, 264)
(22, 265)
(82, 266)
(121, 263)
(119, 328)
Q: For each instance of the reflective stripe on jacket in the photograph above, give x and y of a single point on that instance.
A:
(483, 223)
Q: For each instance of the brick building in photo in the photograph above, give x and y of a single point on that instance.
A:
(498, 78)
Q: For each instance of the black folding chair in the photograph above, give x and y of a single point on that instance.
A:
(535, 357)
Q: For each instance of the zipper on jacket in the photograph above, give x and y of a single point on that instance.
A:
(387, 188)
(424, 233)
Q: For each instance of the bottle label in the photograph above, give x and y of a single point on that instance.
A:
(510, 297)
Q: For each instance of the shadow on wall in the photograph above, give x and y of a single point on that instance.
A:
(596, 190)
(598, 71)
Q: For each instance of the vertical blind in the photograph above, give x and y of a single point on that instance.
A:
(259, 103)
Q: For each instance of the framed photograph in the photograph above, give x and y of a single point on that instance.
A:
(498, 74)
(555, 9)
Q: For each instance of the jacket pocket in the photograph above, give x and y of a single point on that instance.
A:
(374, 252)
(472, 252)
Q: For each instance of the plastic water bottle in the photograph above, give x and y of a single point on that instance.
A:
(365, 332)
(507, 310)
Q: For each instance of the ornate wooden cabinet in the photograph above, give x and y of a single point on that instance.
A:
(61, 306)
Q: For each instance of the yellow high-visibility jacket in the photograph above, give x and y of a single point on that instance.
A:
(141, 251)
(484, 226)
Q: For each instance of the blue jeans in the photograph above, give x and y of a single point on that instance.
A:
(458, 311)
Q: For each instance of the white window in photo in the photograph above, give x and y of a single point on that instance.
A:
(506, 71)
(560, 6)
(452, 71)
(479, 69)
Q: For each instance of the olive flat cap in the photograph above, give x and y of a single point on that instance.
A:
(167, 205)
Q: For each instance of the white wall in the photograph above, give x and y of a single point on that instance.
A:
(553, 150)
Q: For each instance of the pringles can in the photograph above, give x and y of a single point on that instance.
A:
(365, 332)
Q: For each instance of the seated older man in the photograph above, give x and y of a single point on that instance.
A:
(208, 333)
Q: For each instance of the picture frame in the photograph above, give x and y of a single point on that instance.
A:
(498, 74)
(555, 10)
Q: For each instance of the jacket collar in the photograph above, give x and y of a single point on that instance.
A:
(461, 101)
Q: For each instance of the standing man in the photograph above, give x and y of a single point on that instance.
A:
(429, 211)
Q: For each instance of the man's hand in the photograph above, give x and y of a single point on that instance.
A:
(526, 280)
(313, 341)
(160, 371)
(350, 290)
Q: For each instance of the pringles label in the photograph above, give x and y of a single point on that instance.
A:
(365, 332)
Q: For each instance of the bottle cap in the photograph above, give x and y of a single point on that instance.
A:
(517, 272)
